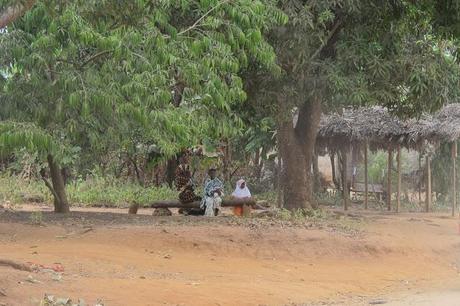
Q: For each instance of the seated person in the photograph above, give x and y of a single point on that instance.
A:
(212, 195)
(186, 187)
(241, 192)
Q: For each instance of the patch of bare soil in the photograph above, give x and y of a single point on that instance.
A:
(122, 259)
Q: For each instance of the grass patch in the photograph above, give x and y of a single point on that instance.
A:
(91, 192)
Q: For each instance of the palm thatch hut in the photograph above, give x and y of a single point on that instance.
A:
(375, 128)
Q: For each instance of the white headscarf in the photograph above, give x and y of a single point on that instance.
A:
(241, 192)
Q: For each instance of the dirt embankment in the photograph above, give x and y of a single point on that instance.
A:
(174, 261)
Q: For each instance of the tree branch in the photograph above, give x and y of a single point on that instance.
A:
(95, 56)
(203, 17)
(332, 32)
(12, 13)
(48, 184)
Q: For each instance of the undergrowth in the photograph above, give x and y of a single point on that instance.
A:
(90, 192)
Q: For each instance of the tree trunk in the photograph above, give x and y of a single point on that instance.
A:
(61, 205)
(257, 168)
(171, 171)
(296, 188)
(297, 147)
(279, 184)
(227, 159)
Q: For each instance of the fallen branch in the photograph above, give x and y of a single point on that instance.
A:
(15, 265)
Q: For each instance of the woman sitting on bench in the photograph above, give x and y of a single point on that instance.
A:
(241, 192)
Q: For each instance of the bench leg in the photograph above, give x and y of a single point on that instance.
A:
(246, 210)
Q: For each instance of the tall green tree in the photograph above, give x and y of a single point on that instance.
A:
(99, 75)
(345, 53)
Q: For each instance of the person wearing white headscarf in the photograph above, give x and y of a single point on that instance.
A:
(241, 192)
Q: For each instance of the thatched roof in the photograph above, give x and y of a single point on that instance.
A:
(448, 128)
(354, 126)
(380, 129)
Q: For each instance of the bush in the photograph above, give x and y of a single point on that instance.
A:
(13, 189)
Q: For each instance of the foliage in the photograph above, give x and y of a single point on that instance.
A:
(13, 188)
(112, 192)
(129, 73)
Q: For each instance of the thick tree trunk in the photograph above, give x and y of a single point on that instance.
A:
(61, 205)
(296, 187)
(297, 146)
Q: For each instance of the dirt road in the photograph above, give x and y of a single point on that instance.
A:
(143, 260)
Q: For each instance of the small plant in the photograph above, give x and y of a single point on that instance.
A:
(284, 214)
(36, 217)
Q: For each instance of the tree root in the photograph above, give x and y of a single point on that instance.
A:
(15, 265)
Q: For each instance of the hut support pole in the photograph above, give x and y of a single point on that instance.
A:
(454, 177)
(420, 182)
(345, 179)
(398, 193)
(428, 184)
(365, 178)
(390, 160)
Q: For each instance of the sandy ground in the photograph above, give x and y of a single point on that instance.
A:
(407, 259)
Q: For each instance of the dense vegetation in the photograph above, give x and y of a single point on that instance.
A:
(123, 87)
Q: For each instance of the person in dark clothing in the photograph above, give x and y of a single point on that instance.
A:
(186, 187)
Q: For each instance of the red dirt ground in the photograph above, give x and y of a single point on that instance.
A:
(177, 261)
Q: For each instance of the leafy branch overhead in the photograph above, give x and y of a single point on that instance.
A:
(117, 67)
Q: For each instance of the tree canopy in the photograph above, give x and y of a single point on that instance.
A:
(107, 77)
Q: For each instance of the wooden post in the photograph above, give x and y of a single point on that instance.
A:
(365, 178)
(344, 179)
(454, 177)
(390, 162)
(420, 183)
(398, 193)
(428, 184)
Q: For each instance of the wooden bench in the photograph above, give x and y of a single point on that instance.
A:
(376, 189)
(246, 204)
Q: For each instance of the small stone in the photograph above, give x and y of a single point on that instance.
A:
(377, 302)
